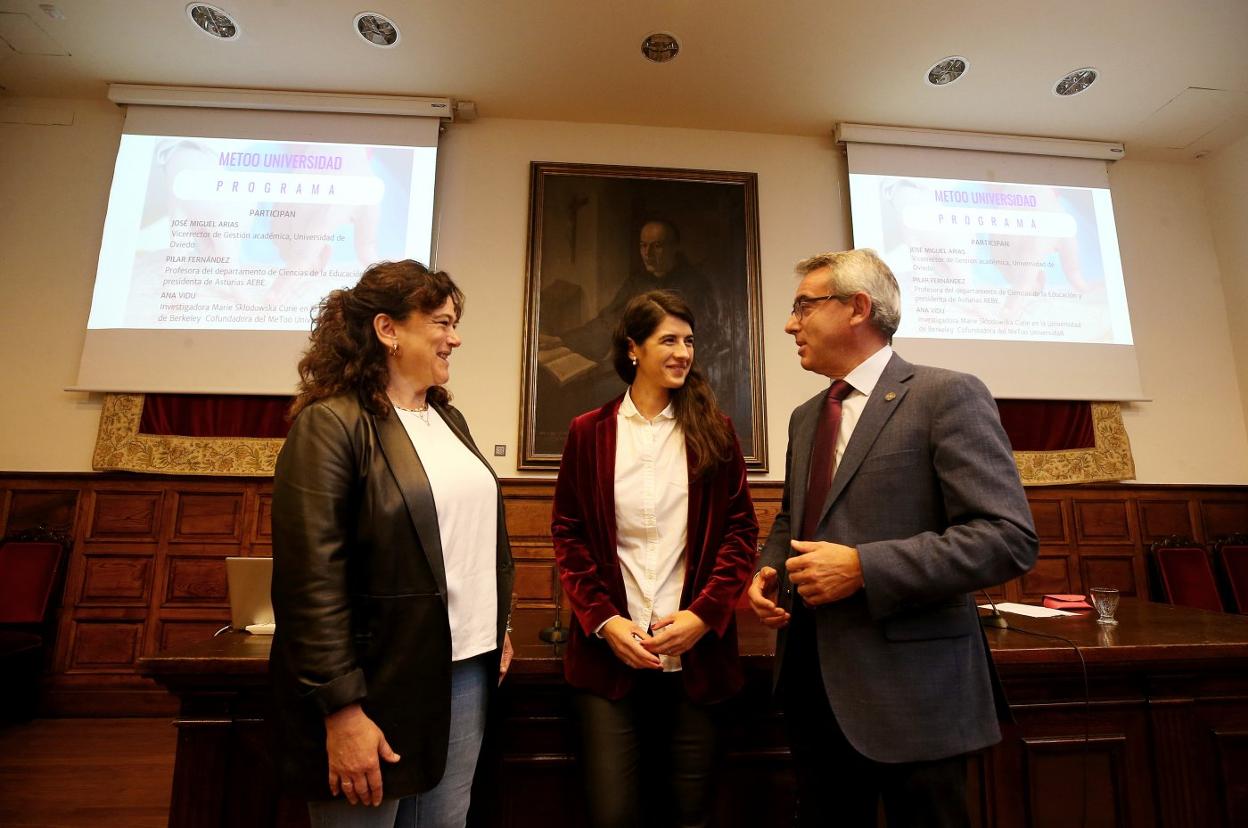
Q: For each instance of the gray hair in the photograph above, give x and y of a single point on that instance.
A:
(861, 271)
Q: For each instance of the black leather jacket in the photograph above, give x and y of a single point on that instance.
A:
(359, 593)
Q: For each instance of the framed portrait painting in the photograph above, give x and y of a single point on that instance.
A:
(600, 235)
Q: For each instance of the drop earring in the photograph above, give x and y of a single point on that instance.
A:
(394, 348)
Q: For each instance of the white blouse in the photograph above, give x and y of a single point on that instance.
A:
(651, 513)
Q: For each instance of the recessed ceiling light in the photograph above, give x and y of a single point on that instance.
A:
(376, 29)
(947, 70)
(212, 21)
(1076, 82)
(660, 47)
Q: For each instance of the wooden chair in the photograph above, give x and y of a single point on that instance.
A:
(1187, 576)
(1231, 555)
(28, 577)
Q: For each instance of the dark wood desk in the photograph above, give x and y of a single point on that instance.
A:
(1160, 738)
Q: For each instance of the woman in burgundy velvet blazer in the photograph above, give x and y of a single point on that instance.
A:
(627, 694)
(723, 534)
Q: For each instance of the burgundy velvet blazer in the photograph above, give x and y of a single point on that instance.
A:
(720, 555)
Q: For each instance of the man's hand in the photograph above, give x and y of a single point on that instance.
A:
(824, 572)
(680, 631)
(626, 639)
(762, 595)
(354, 744)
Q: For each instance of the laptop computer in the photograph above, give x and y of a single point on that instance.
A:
(249, 581)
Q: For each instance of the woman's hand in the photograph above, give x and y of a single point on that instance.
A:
(626, 640)
(676, 633)
(354, 742)
(504, 663)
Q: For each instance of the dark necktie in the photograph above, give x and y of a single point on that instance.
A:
(823, 457)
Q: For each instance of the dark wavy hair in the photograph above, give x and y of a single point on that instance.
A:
(706, 430)
(345, 355)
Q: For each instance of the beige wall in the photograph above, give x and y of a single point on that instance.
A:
(60, 175)
(54, 184)
(1226, 186)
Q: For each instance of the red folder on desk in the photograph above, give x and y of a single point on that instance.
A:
(1067, 602)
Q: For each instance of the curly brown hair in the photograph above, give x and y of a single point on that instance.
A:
(345, 355)
(706, 429)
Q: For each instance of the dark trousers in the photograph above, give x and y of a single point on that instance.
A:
(648, 757)
(837, 785)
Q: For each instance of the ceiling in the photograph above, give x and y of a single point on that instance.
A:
(1174, 73)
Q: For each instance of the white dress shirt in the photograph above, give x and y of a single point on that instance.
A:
(651, 513)
(864, 379)
(465, 495)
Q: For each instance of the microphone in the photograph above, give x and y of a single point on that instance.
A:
(556, 633)
(993, 619)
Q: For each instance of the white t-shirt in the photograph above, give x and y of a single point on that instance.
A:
(465, 495)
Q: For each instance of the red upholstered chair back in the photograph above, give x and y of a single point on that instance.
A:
(1235, 564)
(1187, 577)
(27, 576)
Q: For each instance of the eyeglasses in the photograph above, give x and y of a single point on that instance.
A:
(803, 305)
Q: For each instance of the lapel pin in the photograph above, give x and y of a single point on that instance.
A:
(890, 396)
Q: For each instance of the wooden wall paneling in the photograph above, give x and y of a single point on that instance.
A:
(55, 508)
(260, 526)
(198, 580)
(1122, 569)
(527, 506)
(207, 517)
(1052, 519)
(1103, 521)
(108, 646)
(260, 529)
(768, 497)
(192, 589)
(1054, 572)
(247, 522)
(115, 579)
(1009, 591)
(177, 632)
(148, 550)
(123, 514)
(1160, 519)
(528, 510)
(1221, 517)
(536, 581)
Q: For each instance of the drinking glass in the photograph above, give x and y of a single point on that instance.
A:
(1105, 600)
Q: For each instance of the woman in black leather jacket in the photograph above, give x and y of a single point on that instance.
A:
(392, 573)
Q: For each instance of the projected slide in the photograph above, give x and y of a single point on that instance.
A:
(985, 260)
(218, 233)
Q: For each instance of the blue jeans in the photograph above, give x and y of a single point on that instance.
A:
(446, 805)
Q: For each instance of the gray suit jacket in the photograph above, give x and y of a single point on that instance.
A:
(929, 494)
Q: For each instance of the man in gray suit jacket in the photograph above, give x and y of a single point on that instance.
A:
(882, 669)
